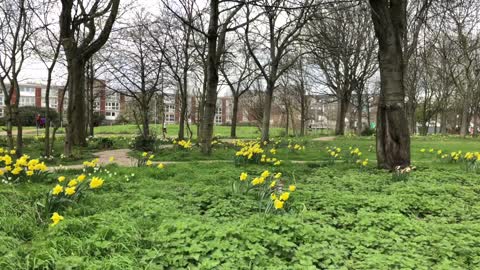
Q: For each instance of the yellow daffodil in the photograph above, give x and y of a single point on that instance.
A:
(149, 163)
(292, 188)
(57, 190)
(273, 196)
(243, 176)
(96, 182)
(81, 178)
(70, 191)
(61, 179)
(56, 218)
(285, 196)
(265, 174)
(272, 185)
(72, 183)
(160, 166)
(144, 154)
(278, 175)
(151, 157)
(111, 159)
(29, 173)
(278, 204)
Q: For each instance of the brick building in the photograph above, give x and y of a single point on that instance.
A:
(107, 102)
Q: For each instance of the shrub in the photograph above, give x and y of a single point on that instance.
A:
(28, 116)
(141, 143)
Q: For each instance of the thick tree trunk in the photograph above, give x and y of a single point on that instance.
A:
(233, 129)
(267, 112)
(443, 122)
(341, 113)
(302, 118)
(47, 118)
(16, 112)
(75, 129)
(145, 122)
(393, 140)
(183, 113)
(206, 132)
(465, 124)
(287, 121)
(9, 111)
(359, 115)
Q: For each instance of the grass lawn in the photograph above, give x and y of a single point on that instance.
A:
(189, 216)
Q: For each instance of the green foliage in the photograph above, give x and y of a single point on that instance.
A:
(144, 144)
(28, 116)
(165, 219)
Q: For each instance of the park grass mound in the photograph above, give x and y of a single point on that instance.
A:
(187, 217)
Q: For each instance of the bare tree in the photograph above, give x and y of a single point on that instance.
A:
(283, 23)
(46, 46)
(78, 32)
(344, 48)
(136, 67)
(15, 30)
(239, 73)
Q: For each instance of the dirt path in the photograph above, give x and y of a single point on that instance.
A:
(324, 139)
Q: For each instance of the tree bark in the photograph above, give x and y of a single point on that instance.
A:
(359, 115)
(443, 123)
(76, 133)
(267, 112)
(212, 83)
(393, 139)
(341, 113)
(465, 119)
(233, 129)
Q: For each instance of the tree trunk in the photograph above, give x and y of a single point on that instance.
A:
(183, 113)
(47, 118)
(75, 129)
(287, 122)
(16, 112)
(359, 115)
(145, 122)
(465, 121)
(302, 117)
(341, 113)
(443, 122)
(212, 83)
(393, 139)
(233, 129)
(9, 123)
(91, 99)
(267, 112)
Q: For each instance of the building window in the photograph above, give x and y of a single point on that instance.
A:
(27, 90)
(112, 114)
(96, 105)
(1, 101)
(112, 106)
(170, 108)
(27, 101)
(170, 118)
(218, 114)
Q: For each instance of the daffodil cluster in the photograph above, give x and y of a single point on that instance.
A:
(67, 192)
(145, 159)
(293, 147)
(355, 154)
(334, 153)
(183, 144)
(272, 189)
(22, 168)
(250, 152)
(91, 165)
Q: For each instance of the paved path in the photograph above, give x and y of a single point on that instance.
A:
(324, 139)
